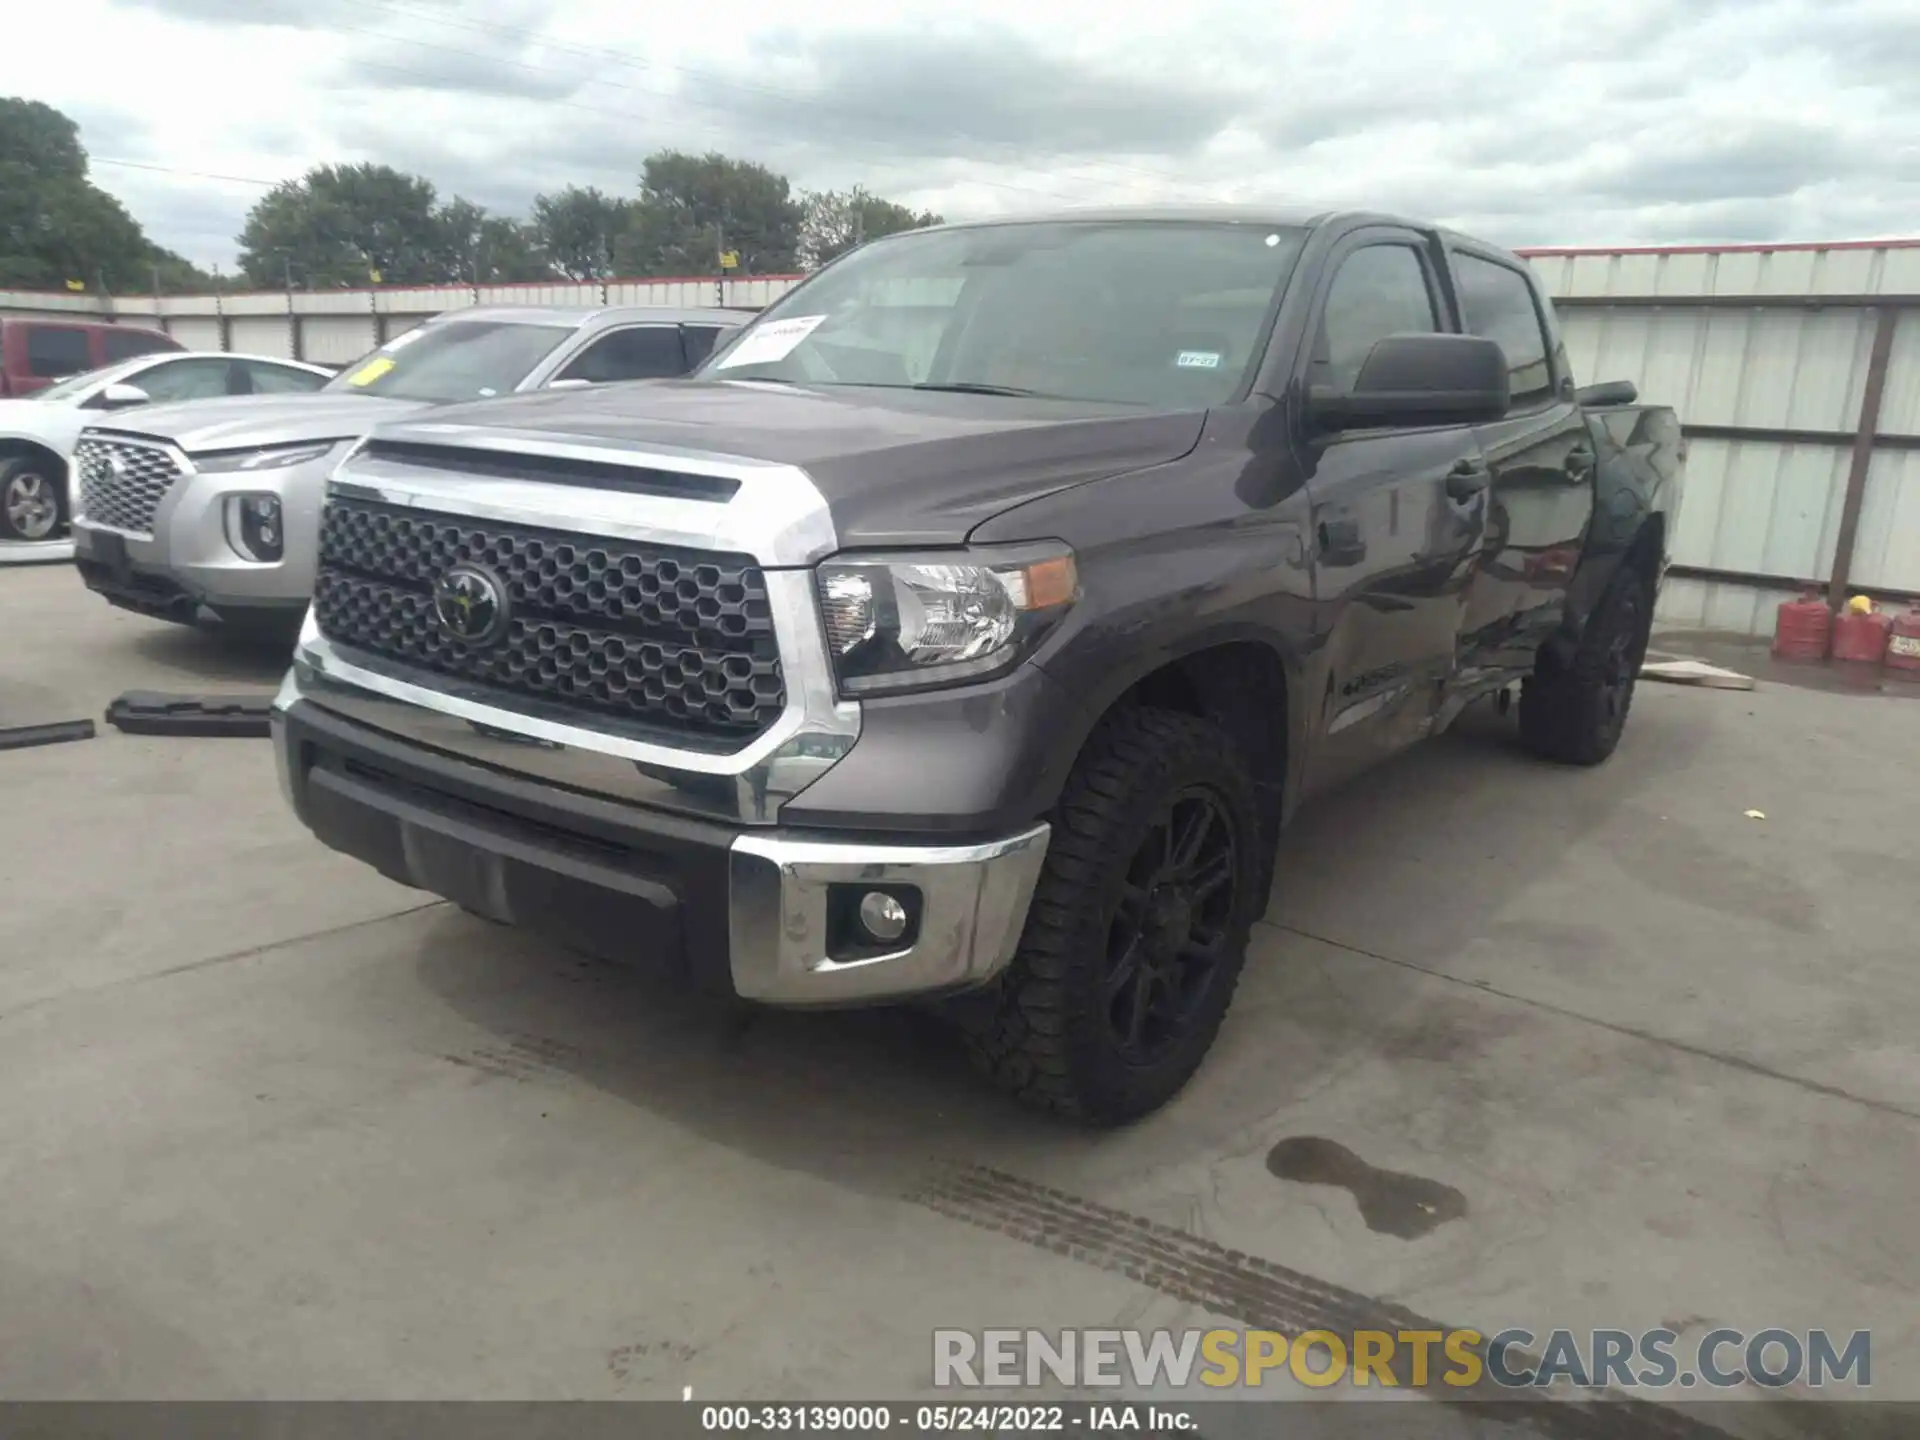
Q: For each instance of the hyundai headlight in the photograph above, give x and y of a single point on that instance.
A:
(908, 622)
(273, 457)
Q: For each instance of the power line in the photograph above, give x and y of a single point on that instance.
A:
(174, 170)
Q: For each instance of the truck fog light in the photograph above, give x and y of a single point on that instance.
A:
(255, 528)
(882, 916)
(865, 921)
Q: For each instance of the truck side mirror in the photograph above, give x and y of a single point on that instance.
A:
(1607, 393)
(1409, 380)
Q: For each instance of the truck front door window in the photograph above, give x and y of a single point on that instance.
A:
(1378, 291)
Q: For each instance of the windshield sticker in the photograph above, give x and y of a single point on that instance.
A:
(371, 371)
(1198, 360)
(772, 340)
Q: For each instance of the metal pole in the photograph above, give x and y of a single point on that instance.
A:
(1887, 319)
(293, 320)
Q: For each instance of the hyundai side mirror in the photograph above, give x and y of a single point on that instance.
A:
(1418, 380)
(121, 396)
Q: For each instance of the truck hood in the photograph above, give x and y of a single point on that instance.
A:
(897, 467)
(249, 422)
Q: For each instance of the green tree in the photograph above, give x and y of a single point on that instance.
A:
(341, 225)
(56, 225)
(579, 230)
(484, 249)
(509, 253)
(175, 274)
(834, 221)
(691, 206)
(41, 139)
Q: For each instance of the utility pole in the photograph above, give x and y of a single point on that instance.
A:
(293, 320)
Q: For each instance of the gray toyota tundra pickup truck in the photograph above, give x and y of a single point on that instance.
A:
(967, 627)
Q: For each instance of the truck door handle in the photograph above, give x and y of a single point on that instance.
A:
(1466, 479)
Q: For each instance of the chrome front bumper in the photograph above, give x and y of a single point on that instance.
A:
(974, 900)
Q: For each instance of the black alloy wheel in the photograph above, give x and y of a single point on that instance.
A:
(1173, 919)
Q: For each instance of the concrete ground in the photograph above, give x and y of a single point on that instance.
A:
(1571, 1049)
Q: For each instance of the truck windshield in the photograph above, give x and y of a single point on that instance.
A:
(1161, 313)
(451, 361)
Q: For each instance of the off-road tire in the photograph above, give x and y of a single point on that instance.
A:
(1575, 711)
(1041, 1033)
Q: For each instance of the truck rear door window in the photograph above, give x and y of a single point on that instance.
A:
(54, 351)
(124, 344)
(638, 352)
(1496, 302)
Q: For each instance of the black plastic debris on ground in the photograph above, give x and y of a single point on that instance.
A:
(19, 737)
(148, 712)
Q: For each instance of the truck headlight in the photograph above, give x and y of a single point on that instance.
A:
(910, 622)
(274, 457)
(254, 527)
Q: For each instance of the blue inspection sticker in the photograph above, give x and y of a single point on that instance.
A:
(1198, 360)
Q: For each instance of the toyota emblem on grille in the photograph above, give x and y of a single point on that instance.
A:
(116, 465)
(471, 604)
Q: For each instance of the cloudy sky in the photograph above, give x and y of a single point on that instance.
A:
(1636, 121)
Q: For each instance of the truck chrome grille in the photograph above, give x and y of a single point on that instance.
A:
(123, 482)
(676, 640)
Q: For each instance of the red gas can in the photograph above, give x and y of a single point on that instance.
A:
(1860, 636)
(1903, 643)
(1802, 629)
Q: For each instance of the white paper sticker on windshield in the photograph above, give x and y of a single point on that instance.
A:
(1198, 360)
(773, 340)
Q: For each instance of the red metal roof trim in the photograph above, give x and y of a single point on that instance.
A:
(1743, 249)
(413, 289)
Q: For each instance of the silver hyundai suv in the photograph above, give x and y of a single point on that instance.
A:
(211, 509)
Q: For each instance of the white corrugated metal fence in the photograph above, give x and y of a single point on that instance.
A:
(1766, 352)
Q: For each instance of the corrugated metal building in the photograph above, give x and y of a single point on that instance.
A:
(1795, 369)
(1796, 372)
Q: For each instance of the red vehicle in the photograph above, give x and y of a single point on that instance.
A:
(35, 353)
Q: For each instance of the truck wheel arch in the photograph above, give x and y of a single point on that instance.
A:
(1238, 676)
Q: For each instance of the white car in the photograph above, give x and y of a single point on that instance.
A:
(38, 432)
